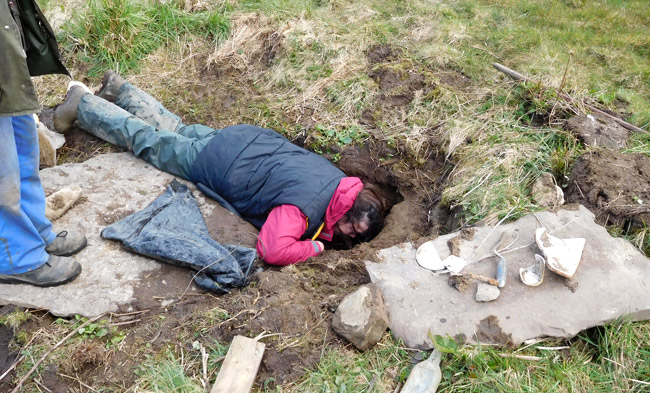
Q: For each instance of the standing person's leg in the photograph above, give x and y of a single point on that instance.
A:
(21, 244)
(32, 196)
(24, 230)
(168, 151)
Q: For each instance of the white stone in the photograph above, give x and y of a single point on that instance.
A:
(486, 292)
(58, 203)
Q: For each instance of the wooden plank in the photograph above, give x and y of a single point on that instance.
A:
(240, 367)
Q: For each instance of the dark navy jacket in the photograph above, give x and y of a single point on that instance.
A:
(255, 169)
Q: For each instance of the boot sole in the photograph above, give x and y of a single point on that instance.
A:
(103, 93)
(42, 284)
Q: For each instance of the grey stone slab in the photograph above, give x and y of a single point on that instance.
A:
(113, 279)
(612, 281)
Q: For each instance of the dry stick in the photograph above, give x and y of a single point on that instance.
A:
(481, 278)
(129, 313)
(20, 359)
(124, 323)
(204, 364)
(522, 357)
(78, 381)
(46, 354)
(519, 77)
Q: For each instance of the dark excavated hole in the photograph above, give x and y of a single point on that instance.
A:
(412, 194)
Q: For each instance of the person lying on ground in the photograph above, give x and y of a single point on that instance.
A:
(30, 252)
(296, 198)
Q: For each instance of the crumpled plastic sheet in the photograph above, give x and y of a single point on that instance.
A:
(171, 229)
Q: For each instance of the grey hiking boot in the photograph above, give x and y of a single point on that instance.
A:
(67, 243)
(66, 113)
(111, 84)
(56, 271)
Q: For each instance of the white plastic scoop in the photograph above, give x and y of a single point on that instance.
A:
(427, 256)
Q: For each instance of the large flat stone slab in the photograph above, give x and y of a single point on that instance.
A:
(612, 281)
(113, 279)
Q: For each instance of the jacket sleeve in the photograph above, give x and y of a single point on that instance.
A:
(278, 242)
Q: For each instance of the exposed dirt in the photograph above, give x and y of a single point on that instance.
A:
(615, 186)
(489, 331)
(294, 304)
(7, 357)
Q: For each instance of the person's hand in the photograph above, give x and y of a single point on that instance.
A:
(321, 246)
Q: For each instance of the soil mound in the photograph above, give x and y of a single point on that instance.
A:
(598, 132)
(614, 186)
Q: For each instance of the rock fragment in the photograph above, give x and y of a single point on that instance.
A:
(546, 193)
(48, 142)
(58, 203)
(486, 292)
(361, 318)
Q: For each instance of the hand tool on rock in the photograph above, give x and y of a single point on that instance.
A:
(502, 268)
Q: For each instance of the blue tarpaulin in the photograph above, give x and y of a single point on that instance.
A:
(171, 229)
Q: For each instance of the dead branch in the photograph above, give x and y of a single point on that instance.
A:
(519, 77)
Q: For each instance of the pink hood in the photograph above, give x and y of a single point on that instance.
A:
(342, 200)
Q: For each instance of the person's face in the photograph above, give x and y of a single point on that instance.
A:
(349, 229)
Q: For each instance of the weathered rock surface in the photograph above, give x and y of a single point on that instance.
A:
(361, 317)
(113, 279)
(48, 143)
(546, 193)
(611, 281)
(486, 292)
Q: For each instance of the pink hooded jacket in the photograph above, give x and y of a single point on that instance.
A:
(278, 242)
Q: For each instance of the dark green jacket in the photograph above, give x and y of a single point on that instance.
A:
(27, 48)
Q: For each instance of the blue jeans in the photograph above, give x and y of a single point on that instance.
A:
(139, 123)
(24, 230)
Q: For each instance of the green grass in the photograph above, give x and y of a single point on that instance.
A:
(167, 375)
(499, 135)
(346, 370)
(119, 34)
(178, 370)
(611, 358)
